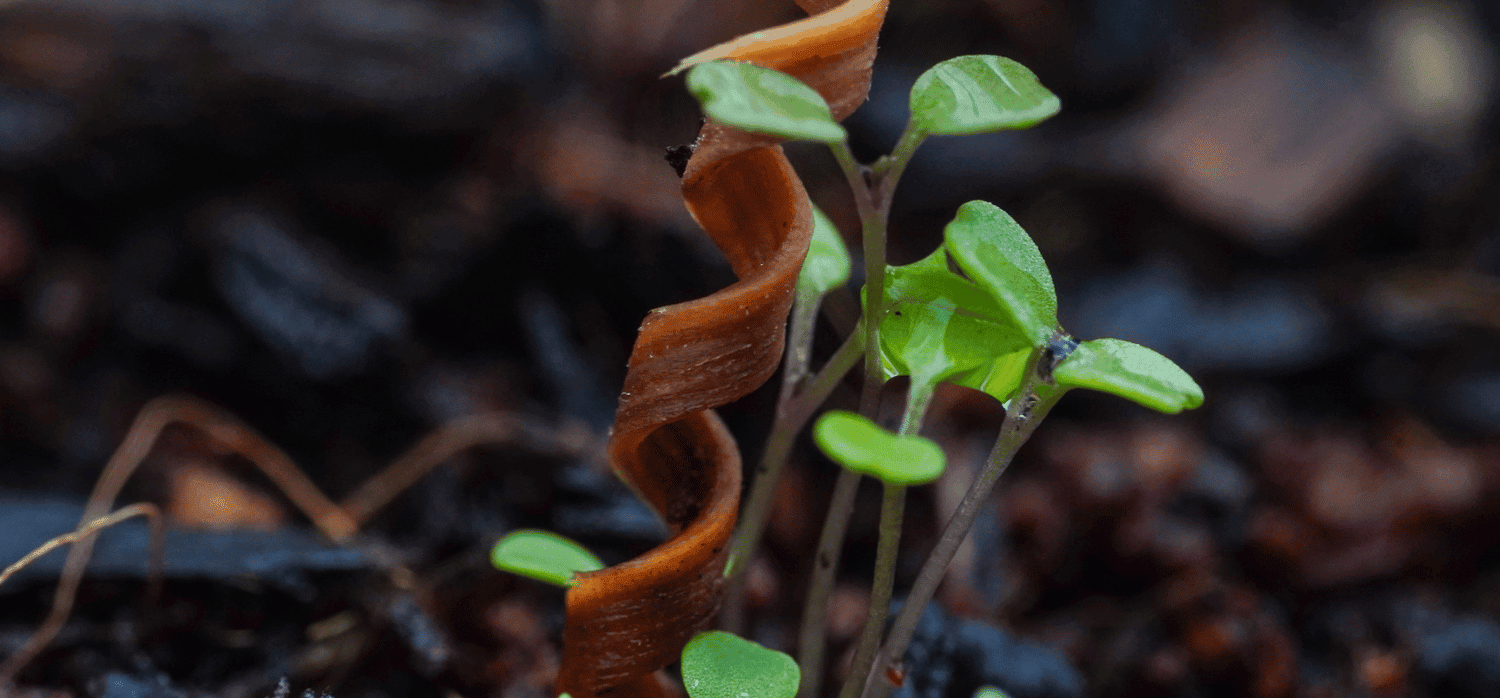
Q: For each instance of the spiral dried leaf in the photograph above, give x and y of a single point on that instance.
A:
(627, 621)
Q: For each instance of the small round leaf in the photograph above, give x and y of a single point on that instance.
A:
(1001, 258)
(543, 556)
(827, 264)
(761, 100)
(860, 445)
(1132, 372)
(717, 664)
(978, 94)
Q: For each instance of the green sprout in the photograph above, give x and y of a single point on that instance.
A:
(981, 312)
(717, 664)
(543, 556)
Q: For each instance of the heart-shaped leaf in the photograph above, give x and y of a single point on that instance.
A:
(543, 556)
(1132, 372)
(827, 264)
(761, 100)
(1000, 257)
(977, 94)
(860, 445)
(717, 664)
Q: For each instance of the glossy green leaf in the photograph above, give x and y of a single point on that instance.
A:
(938, 324)
(761, 100)
(827, 264)
(717, 664)
(977, 94)
(860, 445)
(1000, 377)
(1000, 257)
(1132, 372)
(543, 556)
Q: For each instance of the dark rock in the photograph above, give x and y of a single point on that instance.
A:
(952, 658)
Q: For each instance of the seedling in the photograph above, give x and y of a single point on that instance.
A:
(980, 311)
(992, 325)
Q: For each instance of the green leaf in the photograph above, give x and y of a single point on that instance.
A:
(938, 324)
(761, 100)
(827, 264)
(717, 664)
(860, 445)
(1000, 257)
(1000, 377)
(990, 692)
(543, 556)
(1130, 371)
(978, 94)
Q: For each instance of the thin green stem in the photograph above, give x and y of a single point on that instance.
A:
(1027, 409)
(918, 399)
(792, 413)
(778, 448)
(799, 337)
(872, 198)
(897, 160)
(892, 509)
(825, 564)
(867, 200)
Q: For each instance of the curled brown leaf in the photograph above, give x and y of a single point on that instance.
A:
(627, 621)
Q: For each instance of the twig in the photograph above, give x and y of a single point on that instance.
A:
(153, 418)
(445, 442)
(155, 531)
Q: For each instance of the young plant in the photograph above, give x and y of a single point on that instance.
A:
(991, 325)
(980, 311)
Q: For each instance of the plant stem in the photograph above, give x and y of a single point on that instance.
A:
(899, 157)
(892, 509)
(892, 512)
(793, 410)
(1020, 421)
(872, 198)
(872, 218)
(792, 413)
(830, 545)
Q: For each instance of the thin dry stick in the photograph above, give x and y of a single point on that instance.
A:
(149, 423)
(157, 535)
(448, 440)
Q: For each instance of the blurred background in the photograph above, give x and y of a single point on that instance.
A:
(351, 221)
